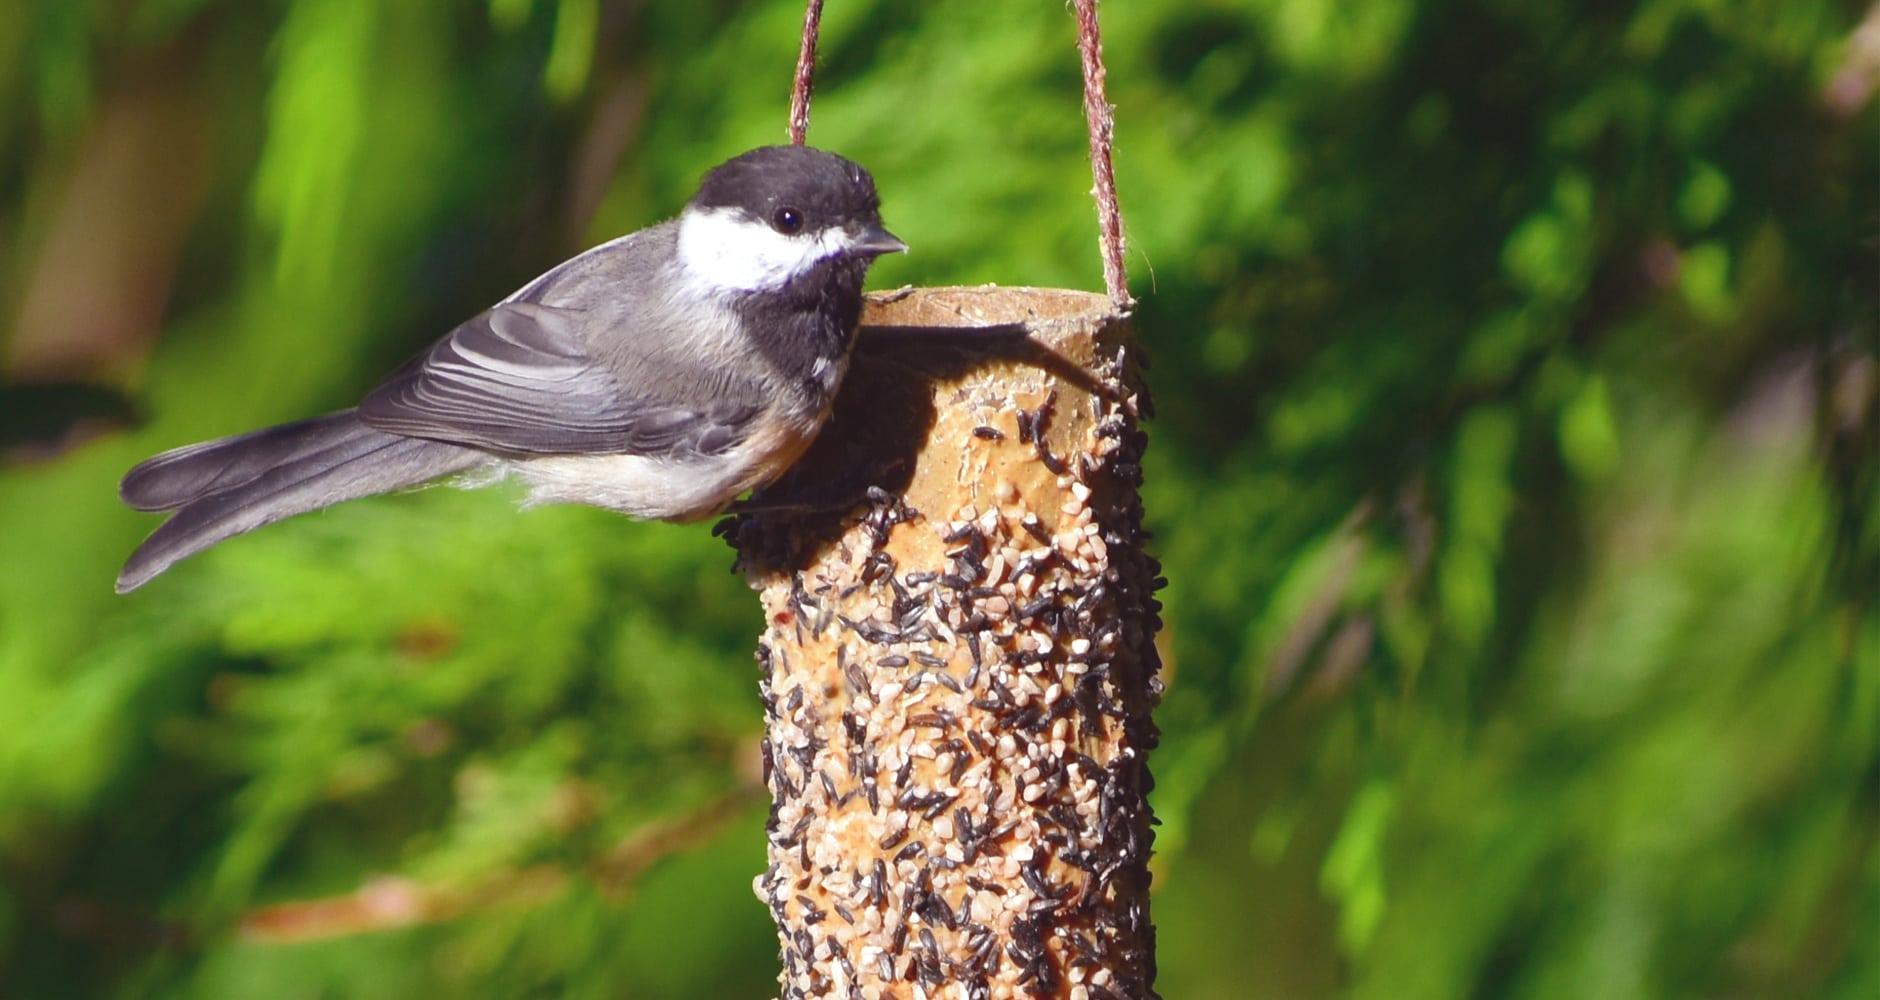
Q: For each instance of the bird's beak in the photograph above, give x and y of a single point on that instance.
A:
(873, 242)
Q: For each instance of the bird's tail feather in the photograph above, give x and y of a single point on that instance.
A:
(220, 489)
(179, 476)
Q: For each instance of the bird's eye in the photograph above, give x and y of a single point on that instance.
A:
(787, 221)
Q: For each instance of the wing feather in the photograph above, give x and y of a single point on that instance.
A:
(521, 379)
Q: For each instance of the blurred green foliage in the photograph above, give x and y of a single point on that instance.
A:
(1515, 476)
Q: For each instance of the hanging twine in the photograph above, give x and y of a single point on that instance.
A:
(805, 74)
(1099, 113)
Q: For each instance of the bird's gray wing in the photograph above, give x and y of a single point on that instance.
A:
(520, 379)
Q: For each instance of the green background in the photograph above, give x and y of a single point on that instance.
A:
(1515, 475)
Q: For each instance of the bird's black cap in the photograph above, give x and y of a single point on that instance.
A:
(828, 189)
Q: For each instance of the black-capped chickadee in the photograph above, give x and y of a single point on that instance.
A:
(660, 375)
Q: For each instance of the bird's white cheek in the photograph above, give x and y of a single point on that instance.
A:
(723, 251)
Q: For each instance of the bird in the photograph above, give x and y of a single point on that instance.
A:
(662, 374)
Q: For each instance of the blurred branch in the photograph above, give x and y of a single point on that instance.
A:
(392, 902)
(617, 871)
(1855, 80)
(127, 200)
(619, 95)
(1322, 611)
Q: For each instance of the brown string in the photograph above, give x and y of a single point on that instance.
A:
(805, 74)
(1099, 113)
